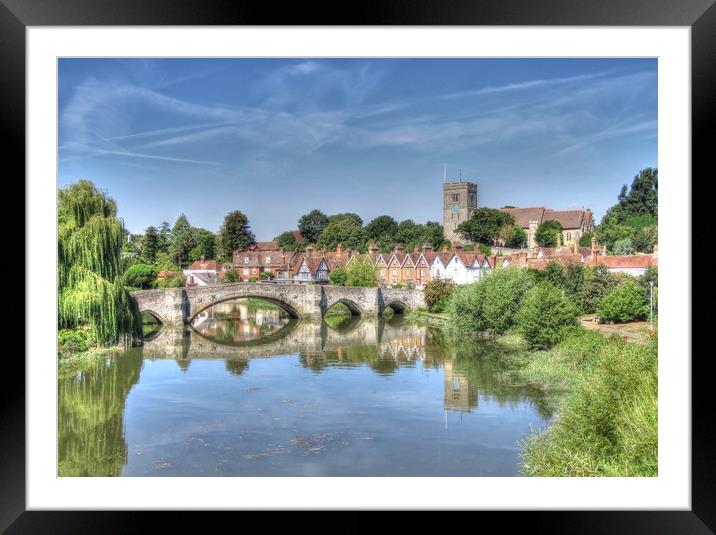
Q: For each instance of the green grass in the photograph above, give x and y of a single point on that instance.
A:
(604, 391)
(339, 309)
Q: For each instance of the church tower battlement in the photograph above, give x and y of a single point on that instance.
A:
(459, 202)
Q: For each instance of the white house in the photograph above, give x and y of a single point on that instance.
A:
(312, 269)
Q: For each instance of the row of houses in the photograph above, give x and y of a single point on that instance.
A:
(415, 268)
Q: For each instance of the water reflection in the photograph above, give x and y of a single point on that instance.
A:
(375, 383)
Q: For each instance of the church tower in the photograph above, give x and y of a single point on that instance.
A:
(459, 202)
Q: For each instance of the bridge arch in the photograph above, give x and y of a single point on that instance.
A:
(355, 309)
(396, 306)
(203, 307)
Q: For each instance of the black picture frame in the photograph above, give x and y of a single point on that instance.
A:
(700, 15)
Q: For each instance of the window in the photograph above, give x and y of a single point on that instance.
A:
(569, 236)
(472, 199)
(455, 197)
(254, 271)
(422, 272)
(246, 260)
(268, 259)
(246, 271)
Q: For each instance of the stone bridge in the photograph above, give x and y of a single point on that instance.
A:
(311, 301)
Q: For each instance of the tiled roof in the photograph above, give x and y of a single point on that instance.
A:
(524, 215)
(205, 265)
(567, 218)
(624, 261)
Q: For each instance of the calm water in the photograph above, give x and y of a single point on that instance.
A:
(249, 391)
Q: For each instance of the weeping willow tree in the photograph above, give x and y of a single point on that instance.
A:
(89, 245)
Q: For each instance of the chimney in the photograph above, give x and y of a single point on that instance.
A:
(595, 249)
(655, 254)
(398, 248)
(457, 247)
(373, 248)
(416, 249)
(310, 250)
(446, 248)
(604, 250)
(427, 248)
(339, 248)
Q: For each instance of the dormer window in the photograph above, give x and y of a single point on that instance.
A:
(268, 259)
(246, 260)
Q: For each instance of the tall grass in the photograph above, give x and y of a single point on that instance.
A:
(606, 422)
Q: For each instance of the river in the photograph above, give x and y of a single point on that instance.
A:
(248, 391)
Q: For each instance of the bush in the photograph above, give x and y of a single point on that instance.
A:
(596, 283)
(545, 316)
(491, 304)
(253, 279)
(361, 274)
(338, 276)
(141, 276)
(625, 303)
(74, 340)
(265, 275)
(232, 275)
(437, 293)
(623, 247)
(484, 249)
(175, 280)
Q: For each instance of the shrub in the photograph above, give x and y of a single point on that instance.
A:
(74, 340)
(484, 249)
(175, 280)
(361, 274)
(545, 316)
(253, 279)
(265, 275)
(623, 246)
(625, 303)
(232, 275)
(491, 304)
(437, 293)
(338, 276)
(596, 283)
(396, 285)
(141, 276)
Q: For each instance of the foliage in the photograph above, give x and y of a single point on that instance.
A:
(343, 230)
(286, 241)
(546, 235)
(70, 341)
(491, 304)
(150, 245)
(545, 316)
(164, 237)
(205, 244)
(312, 224)
(89, 248)
(646, 238)
(338, 276)
(597, 282)
(361, 274)
(164, 262)
(627, 302)
(182, 241)
(585, 240)
(140, 276)
(485, 225)
(623, 247)
(516, 237)
(232, 275)
(346, 217)
(266, 275)
(607, 423)
(173, 280)
(437, 293)
(484, 249)
(253, 279)
(235, 233)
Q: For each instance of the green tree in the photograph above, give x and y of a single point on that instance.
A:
(361, 274)
(627, 302)
(433, 233)
(235, 234)
(382, 229)
(623, 247)
(516, 237)
(89, 247)
(312, 224)
(150, 245)
(286, 240)
(585, 240)
(174, 280)
(182, 241)
(140, 276)
(554, 274)
(339, 276)
(344, 231)
(347, 217)
(205, 244)
(546, 235)
(545, 315)
(232, 275)
(164, 237)
(597, 282)
(490, 305)
(409, 233)
(485, 225)
(646, 238)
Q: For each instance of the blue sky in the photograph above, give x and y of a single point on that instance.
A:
(276, 138)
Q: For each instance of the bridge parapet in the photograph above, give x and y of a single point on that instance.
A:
(177, 306)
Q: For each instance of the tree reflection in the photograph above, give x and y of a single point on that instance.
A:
(90, 417)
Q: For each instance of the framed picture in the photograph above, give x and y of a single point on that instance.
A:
(406, 260)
